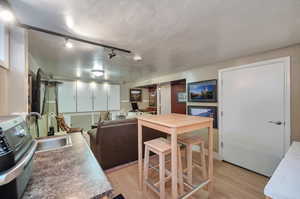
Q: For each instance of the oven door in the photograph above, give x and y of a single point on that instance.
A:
(13, 181)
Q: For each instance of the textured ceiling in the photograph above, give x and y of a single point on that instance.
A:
(170, 35)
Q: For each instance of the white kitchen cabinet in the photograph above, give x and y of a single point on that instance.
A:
(67, 97)
(87, 97)
(113, 97)
(100, 97)
(84, 97)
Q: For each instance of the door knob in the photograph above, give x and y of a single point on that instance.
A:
(276, 122)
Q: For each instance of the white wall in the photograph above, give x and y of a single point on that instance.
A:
(125, 103)
(14, 82)
(211, 72)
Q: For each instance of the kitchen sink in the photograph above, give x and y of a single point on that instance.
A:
(48, 144)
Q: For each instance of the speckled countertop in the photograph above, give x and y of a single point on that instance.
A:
(71, 172)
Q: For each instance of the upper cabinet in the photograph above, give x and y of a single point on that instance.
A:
(84, 97)
(67, 97)
(100, 97)
(113, 97)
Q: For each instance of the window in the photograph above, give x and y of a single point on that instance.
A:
(4, 46)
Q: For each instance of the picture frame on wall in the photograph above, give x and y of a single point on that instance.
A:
(4, 46)
(135, 95)
(181, 97)
(205, 111)
(203, 91)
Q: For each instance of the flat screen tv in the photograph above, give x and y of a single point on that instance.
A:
(204, 91)
(205, 111)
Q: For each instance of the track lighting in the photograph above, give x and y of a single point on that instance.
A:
(112, 54)
(68, 44)
(6, 15)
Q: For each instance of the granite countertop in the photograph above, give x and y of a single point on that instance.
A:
(71, 172)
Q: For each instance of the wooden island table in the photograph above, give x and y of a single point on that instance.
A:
(174, 125)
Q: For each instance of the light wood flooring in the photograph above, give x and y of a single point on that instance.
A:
(230, 182)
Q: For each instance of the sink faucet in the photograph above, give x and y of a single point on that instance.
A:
(39, 116)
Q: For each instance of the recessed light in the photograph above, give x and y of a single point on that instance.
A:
(137, 58)
(7, 16)
(69, 21)
(97, 72)
(68, 44)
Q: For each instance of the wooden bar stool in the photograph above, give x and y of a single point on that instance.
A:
(189, 142)
(161, 147)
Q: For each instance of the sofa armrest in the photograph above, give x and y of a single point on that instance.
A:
(93, 139)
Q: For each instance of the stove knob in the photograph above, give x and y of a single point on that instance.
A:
(3, 145)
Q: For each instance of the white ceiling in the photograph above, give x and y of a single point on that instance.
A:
(170, 35)
(49, 52)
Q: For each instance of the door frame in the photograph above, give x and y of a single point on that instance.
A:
(287, 101)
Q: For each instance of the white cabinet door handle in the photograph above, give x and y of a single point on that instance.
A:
(275, 122)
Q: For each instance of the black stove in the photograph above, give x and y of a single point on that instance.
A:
(17, 149)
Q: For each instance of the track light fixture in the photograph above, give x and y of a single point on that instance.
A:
(8, 16)
(112, 54)
(68, 44)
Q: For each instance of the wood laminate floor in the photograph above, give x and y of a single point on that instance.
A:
(230, 182)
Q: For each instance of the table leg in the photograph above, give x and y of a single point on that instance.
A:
(210, 157)
(174, 164)
(140, 155)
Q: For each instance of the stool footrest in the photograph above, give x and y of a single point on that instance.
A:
(151, 186)
(168, 172)
(195, 189)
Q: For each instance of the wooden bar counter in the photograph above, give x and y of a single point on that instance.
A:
(174, 125)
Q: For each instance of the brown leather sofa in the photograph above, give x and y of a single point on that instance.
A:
(116, 142)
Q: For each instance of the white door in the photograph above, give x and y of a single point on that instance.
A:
(66, 97)
(84, 97)
(114, 99)
(165, 98)
(100, 98)
(254, 112)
